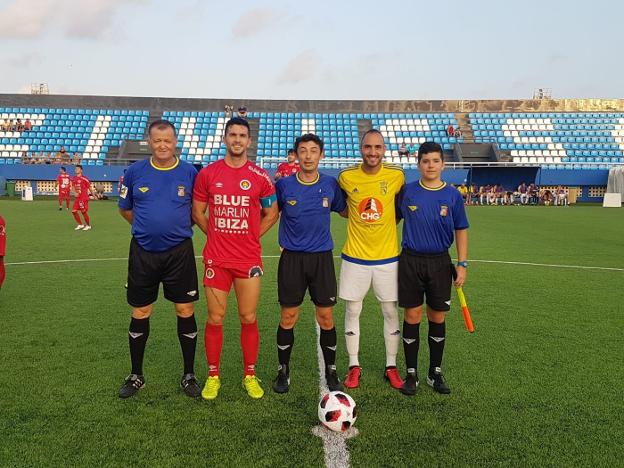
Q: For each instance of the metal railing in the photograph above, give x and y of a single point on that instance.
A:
(338, 163)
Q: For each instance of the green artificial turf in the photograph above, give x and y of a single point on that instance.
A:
(540, 382)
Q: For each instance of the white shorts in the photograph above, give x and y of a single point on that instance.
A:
(356, 279)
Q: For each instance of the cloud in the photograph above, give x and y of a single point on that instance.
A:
(300, 68)
(24, 60)
(254, 22)
(31, 19)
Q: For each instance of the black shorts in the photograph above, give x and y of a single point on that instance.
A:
(298, 271)
(174, 268)
(423, 275)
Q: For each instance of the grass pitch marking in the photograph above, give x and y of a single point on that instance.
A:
(502, 262)
(334, 443)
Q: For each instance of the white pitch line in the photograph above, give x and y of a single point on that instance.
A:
(502, 262)
(551, 265)
(334, 443)
(75, 260)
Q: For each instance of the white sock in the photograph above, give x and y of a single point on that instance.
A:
(392, 332)
(352, 330)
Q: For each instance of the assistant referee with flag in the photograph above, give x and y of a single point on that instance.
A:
(433, 214)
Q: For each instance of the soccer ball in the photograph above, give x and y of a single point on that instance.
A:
(337, 411)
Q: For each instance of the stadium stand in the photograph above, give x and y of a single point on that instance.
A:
(88, 132)
(569, 142)
(554, 138)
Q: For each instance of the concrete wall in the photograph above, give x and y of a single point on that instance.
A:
(158, 104)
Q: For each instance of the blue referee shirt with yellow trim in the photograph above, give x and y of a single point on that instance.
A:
(160, 200)
(430, 217)
(306, 210)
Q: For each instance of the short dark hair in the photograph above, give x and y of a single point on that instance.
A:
(161, 124)
(63, 169)
(370, 132)
(309, 137)
(429, 147)
(237, 121)
(78, 166)
(291, 150)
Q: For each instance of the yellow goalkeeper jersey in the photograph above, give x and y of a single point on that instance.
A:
(371, 228)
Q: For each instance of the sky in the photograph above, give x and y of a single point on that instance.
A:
(314, 49)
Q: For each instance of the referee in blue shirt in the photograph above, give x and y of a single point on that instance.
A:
(155, 198)
(306, 201)
(433, 214)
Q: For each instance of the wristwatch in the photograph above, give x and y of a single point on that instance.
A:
(463, 264)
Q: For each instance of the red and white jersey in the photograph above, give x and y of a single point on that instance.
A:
(64, 182)
(2, 237)
(235, 197)
(81, 187)
(285, 169)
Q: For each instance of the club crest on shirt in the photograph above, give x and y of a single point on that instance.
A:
(245, 184)
(291, 202)
(123, 193)
(412, 207)
(143, 189)
(181, 191)
(443, 210)
(355, 190)
(383, 187)
(325, 202)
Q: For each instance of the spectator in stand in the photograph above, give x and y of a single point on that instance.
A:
(523, 193)
(228, 111)
(288, 168)
(458, 133)
(463, 191)
(561, 196)
(491, 195)
(545, 196)
(473, 193)
(412, 150)
(499, 194)
(11, 125)
(61, 155)
(403, 152)
(242, 112)
(508, 198)
(483, 195)
(532, 193)
(19, 126)
(450, 130)
(75, 160)
(27, 125)
(6, 126)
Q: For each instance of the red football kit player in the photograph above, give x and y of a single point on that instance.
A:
(288, 168)
(82, 187)
(235, 197)
(239, 198)
(64, 187)
(2, 249)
